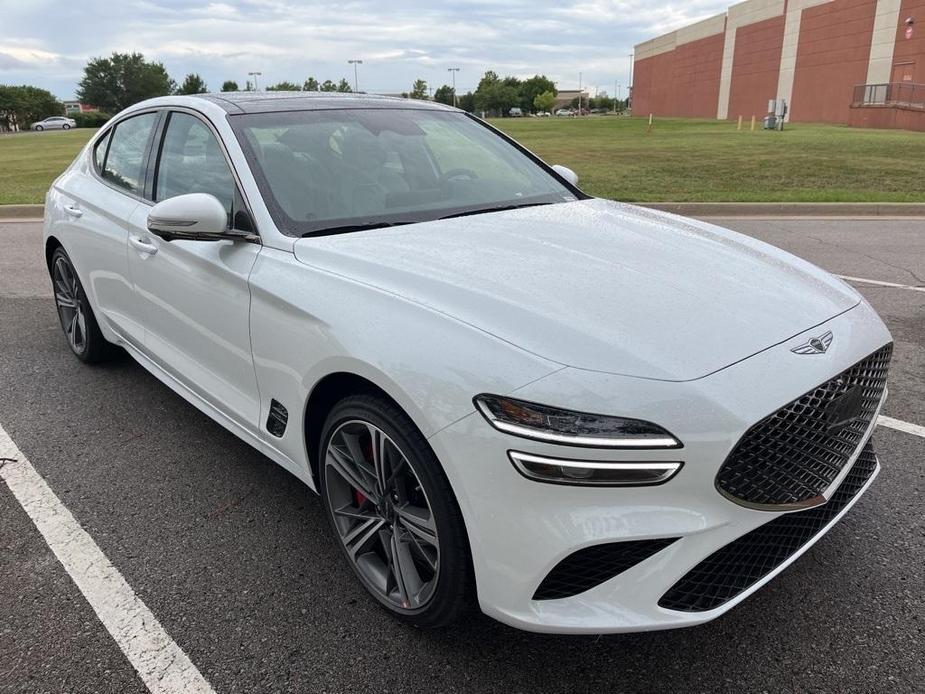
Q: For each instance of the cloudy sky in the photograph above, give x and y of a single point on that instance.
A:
(47, 42)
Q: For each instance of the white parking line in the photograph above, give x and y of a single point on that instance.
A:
(159, 661)
(900, 425)
(881, 284)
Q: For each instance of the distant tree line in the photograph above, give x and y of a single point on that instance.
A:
(122, 79)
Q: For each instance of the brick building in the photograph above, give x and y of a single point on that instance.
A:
(859, 62)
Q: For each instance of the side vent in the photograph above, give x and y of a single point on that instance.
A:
(277, 419)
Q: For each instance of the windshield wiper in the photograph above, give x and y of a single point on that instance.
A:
(347, 228)
(500, 208)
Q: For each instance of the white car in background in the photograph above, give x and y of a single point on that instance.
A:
(587, 416)
(54, 123)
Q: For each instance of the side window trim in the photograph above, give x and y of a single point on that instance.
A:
(153, 154)
(107, 136)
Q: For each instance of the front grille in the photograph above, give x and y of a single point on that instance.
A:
(796, 453)
(592, 566)
(743, 562)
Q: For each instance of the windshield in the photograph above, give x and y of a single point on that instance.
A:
(330, 171)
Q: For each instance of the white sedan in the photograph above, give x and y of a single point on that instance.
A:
(586, 416)
(54, 123)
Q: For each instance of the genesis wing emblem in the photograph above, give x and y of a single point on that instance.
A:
(816, 345)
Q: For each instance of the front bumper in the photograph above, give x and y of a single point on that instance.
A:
(520, 529)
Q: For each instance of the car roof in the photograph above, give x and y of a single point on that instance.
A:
(268, 102)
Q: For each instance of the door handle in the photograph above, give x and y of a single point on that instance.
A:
(73, 210)
(142, 246)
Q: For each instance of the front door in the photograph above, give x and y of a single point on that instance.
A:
(195, 293)
(904, 72)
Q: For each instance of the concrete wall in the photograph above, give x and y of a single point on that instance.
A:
(756, 68)
(882, 117)
(811, 52)
(832, 59)
(678, 73)
(910, 50)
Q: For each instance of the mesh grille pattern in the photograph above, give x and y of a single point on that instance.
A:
(745, 561)
(592, 566)
(795, 454)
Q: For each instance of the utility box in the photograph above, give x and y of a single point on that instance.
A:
(777, 112)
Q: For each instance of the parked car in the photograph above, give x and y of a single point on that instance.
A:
(565, 112)
(515, 112)
(587, 416)
(55, 123)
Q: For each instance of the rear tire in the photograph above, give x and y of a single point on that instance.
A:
(75, 314)
(394, 515)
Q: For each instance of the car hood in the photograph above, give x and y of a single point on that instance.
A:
(596, 284)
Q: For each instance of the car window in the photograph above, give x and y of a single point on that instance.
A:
(125, 162)
(99, 151)
(334, 169)
(192, 161)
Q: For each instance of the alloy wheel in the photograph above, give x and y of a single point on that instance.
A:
(70, 308)
(382, 515)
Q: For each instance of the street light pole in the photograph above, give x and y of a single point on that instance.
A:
(454, 70)
(579, 94)
(356, 87)
(255, 75)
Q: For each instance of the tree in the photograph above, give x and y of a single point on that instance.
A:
(418, 90)
(344, 86)
(328, 86)
(229, 86)
(544, 102)
(311, 85)
(193, 84)
(532, 88)
(284, 87)
(466, 102)
(496, 95)
(121, 80)
(445, 95)
(21, 106)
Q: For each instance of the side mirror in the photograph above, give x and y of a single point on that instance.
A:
(192, 216)
(566, 173)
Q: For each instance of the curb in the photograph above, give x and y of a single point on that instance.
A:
(22, 212)
(790, 209)
(686, 209)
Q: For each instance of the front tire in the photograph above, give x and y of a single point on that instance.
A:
(66, 127)
(393, 512)
(39, 128)
(75, 314)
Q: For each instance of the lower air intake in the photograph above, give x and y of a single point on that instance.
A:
(592, 566)
(739, 565)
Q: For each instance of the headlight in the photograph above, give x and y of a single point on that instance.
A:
(570, 428)
(593, 473)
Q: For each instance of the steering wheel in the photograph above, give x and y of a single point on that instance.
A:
(448, 176)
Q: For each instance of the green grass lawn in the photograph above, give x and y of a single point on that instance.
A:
(710, 161)
(680, 160)
(29, 162)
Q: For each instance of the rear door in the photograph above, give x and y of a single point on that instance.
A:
(95, 201)
(195, 294)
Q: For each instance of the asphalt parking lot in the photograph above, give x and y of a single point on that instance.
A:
(233, 555)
